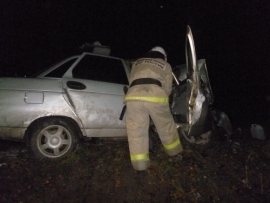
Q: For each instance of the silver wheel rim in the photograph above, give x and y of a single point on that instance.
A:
(54, 141)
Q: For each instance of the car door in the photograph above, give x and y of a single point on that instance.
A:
(94, 88)
(198, 94)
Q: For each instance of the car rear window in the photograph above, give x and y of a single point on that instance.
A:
(61, 70)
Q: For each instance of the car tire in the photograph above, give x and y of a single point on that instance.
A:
(201, 143)
(53, 139)
(195, 146)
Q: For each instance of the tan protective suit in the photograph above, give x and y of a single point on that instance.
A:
(150, 100)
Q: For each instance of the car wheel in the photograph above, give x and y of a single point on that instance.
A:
(200, 143)
(53, 139)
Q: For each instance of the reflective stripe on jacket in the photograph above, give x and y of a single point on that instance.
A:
(148, 99)
(157, 69)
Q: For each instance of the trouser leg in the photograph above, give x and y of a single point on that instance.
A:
(166, 127)
(137, 122)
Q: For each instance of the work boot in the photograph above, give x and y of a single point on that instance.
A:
(178, 157)
(140, 165)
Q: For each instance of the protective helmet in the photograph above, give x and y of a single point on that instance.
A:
(159, 49)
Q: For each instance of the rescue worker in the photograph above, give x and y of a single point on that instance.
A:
(150, 86)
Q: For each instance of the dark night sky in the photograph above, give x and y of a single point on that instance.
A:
(233, 37)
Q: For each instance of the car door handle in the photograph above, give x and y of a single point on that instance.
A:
(76, 85)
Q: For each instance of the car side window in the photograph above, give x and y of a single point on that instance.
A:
(100, 68)
(61, 70)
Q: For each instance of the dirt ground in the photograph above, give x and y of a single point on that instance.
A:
(100, 171)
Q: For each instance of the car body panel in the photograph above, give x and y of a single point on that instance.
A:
(98, 106)
(18, 110)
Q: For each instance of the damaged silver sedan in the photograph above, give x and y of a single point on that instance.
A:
(82, 97)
